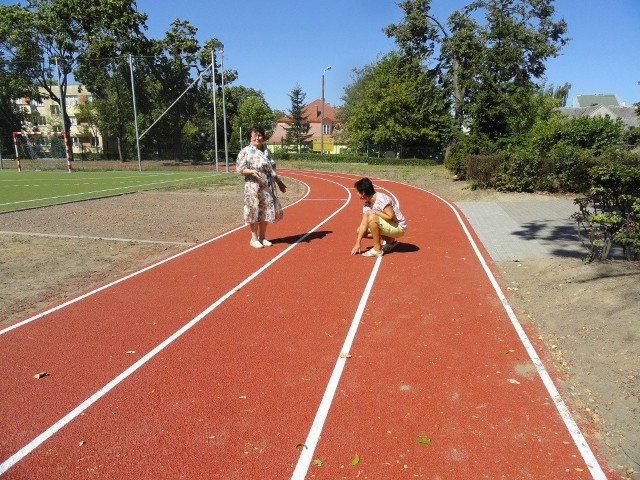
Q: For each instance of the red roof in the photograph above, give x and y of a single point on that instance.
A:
(313, 111)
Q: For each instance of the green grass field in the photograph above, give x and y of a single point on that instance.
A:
(30, 189)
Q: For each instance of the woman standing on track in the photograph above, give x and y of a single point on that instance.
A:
(381, 220)
(261, 204)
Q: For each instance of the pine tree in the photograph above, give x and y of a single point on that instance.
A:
(297, 132)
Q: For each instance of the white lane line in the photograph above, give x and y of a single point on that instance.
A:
(575, 432)
(86, 237)
(306, 456)
(117, 189)
(77, 411)
(133, 274)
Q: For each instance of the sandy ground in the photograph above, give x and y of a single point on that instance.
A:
(588, 315)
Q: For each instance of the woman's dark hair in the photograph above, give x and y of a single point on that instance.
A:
(365, 187)
(257, 129)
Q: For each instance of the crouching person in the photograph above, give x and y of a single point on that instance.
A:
(382, 220)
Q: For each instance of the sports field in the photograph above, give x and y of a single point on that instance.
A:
(23, 190)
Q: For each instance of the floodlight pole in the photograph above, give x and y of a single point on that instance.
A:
(322, 113)
(215, 116)
(224, 111)
(135, 112)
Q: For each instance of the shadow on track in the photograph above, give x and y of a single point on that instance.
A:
(319, 235)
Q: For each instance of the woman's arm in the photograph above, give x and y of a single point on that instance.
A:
(361, 232)
(276, 178)
(388, 214)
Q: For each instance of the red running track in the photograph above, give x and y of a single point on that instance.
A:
(295, 361)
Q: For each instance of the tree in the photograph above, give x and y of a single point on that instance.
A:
(171, 97)
(53, 36)
(297, 131)
(14, 80)
(395, 103)
(114, 102)
(490, 69)
(561, 94)
(235, 97)
(253, 111)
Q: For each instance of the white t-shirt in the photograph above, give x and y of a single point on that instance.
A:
(379, 205)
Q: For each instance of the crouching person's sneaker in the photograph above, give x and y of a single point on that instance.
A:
(372, 252)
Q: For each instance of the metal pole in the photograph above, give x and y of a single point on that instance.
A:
(215, 115)
(135, 112)
(224, 112)
(322, 113)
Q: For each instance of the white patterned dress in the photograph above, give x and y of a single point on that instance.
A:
(260, 199)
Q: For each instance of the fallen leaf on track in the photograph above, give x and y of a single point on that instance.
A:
(356, 460)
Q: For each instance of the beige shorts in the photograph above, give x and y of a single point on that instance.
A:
(388, 229)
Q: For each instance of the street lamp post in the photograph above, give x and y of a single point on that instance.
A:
(215, 114)
(322, 113)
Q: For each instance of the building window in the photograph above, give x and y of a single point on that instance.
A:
(55, 109)
(75, 141)
(71, 100)
(73, 120)
(326, 129)
(95, 142)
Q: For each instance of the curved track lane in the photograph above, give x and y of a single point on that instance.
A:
(225, 362)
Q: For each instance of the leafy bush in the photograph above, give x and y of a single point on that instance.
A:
(570, 167)
(609, 213)
(482, 170)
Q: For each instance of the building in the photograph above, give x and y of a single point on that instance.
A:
(44, 116)
(607, 99)
(312, 118)
(602, 105)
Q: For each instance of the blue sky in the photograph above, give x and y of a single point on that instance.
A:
(276, 45)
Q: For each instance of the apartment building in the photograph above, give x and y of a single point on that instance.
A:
(45, 116)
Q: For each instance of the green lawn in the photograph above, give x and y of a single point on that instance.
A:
(30, 189)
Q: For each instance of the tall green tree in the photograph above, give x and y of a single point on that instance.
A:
(170, 93)
(298, 129)
(52, 37)
(236, 95)
(395, 103)
(489, 56)
(15, 81)
(252, 111)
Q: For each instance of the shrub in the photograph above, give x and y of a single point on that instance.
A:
(482, 170)
(609, 213)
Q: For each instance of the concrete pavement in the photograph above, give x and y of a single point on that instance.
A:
(518, 229)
